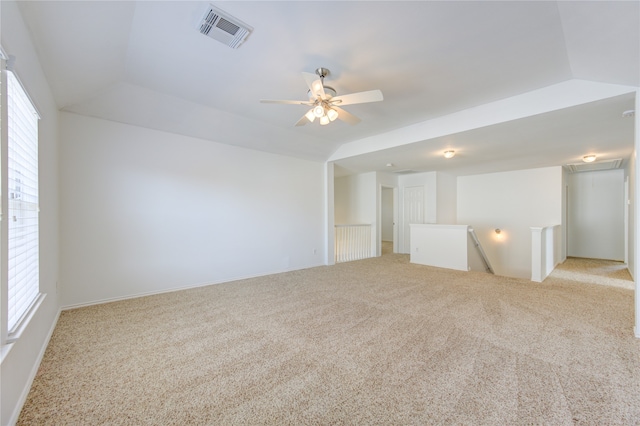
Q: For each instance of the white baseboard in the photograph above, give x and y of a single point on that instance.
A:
(171, 290)
(34, 371)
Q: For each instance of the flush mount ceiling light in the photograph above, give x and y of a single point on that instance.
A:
(589, 158)
(449, 153)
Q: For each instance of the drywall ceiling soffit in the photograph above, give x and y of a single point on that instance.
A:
(541, 140)
(135, 105)
(430, 59)
(552, 98)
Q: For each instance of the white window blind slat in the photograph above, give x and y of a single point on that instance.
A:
(22, 164)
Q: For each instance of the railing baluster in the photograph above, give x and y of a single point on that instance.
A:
(352, 242)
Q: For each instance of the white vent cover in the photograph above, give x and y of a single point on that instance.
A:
(223, 27)
(596, 165)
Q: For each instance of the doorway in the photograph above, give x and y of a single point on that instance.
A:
(388, 220)
(596, 215)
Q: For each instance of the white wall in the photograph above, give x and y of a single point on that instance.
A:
(355, 199)
(21, 359)
(446, 201)
(356, 202)
(595, 220)
(442, 246)
(329, 210)
(513, 202)
(144, 211)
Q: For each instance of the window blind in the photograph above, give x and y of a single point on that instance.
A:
(22, 203)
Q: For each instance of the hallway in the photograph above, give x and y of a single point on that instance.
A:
(387, 247)
(595, 271)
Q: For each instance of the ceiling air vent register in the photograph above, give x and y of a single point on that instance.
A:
(405, 172)
(223, 27)
(596, 165)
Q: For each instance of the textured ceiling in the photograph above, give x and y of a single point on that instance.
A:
(145, 63)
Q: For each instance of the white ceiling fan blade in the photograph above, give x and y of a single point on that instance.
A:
(304, 120)
(315, 85)
(345, 116)
(278, 101)
(358, 98)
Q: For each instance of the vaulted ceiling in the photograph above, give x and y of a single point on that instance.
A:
(145, 63)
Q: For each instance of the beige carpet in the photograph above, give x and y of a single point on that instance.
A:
(595, 271)
(377, 341)
(386, 247)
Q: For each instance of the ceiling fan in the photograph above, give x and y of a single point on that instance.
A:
(324, 103)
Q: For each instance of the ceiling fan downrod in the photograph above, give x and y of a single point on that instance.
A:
(322, 73)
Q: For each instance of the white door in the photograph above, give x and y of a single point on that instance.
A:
(413, 211)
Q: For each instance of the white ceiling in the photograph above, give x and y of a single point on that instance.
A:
(145, 63)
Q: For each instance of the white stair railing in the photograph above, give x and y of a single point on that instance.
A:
(352, 242)
(478, 246)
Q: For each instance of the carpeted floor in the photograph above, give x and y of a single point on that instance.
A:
(376, 341)
(595, 271)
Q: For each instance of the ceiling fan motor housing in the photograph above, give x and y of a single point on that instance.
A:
(328, 90)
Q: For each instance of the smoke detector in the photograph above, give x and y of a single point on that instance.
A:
(221, 26)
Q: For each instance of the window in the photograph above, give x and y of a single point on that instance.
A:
(21, 200)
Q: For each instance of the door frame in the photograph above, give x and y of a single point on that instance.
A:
(395, 218)
(405, 229)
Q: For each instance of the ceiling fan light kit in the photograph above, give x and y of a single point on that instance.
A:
(310, 115)
(324, 102)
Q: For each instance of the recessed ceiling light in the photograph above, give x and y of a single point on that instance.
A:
(449, 153)
(589, 158)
